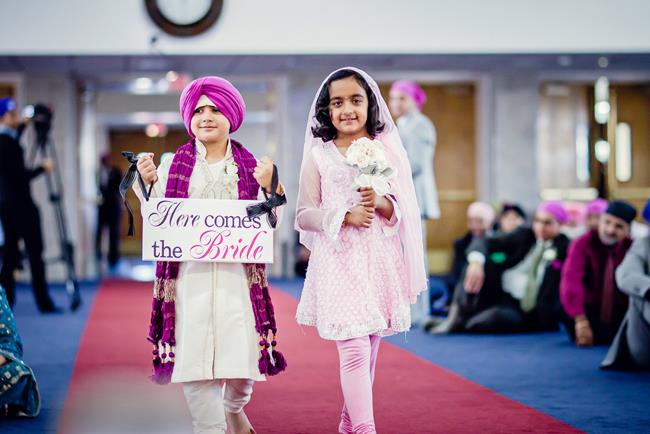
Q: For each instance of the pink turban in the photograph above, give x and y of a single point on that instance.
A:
(483, 211)
(218, 90)
(576, 212)
(411, 89)
(597, 206)
(556, 209)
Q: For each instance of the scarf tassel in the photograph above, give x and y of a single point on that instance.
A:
(162, 373)
(279, 365)
(163, 364)
(271, 361)
(264, 363)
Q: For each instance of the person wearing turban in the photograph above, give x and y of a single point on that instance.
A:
(511, 281)
(593, 303)
(631, 346)
(593, 211)
(418, 135)
(212, 324)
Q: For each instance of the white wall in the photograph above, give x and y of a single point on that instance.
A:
(513, 157)
(334, 26)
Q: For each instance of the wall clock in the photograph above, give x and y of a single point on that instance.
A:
(184, 17)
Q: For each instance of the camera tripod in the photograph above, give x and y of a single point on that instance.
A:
(44, 146)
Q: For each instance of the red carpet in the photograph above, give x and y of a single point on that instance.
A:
(109, 385)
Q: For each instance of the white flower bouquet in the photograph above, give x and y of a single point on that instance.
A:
(369, 157)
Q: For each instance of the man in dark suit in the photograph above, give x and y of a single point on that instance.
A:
(109, 210)
(511, 217)
(512, 280)
(18, 213)
(480, 217)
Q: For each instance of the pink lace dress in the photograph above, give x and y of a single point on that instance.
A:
(356, 276)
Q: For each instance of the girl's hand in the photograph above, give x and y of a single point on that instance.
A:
(147, 169)
(369, 198)
(380, 204)
(360, 216)
(264, 173)
(3, 360)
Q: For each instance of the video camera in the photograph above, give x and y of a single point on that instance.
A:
(41, 116)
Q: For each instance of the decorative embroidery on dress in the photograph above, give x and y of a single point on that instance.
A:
(333, 223)
(378, 327)
(225, 184)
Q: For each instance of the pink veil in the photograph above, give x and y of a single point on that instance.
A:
(410, 230)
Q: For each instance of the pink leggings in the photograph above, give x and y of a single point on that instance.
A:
(357, 359)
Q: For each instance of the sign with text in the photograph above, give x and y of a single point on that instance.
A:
(209, 230)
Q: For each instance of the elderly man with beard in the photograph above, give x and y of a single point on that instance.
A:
(631, 346)
(594, 305)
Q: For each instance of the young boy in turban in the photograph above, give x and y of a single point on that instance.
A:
(212, 324)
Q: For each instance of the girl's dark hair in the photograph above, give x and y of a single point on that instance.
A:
(324, 127)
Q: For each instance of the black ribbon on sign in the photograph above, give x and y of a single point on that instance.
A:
(270, 204)
(128, 181)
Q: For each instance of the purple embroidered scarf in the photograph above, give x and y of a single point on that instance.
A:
(163, 309)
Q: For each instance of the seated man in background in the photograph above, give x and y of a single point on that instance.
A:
(594, 305)
(480, 218)
(631, 346)
(19, 394)
(512, 280)
(511, 217)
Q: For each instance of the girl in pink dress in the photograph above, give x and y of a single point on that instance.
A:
(366, 265)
